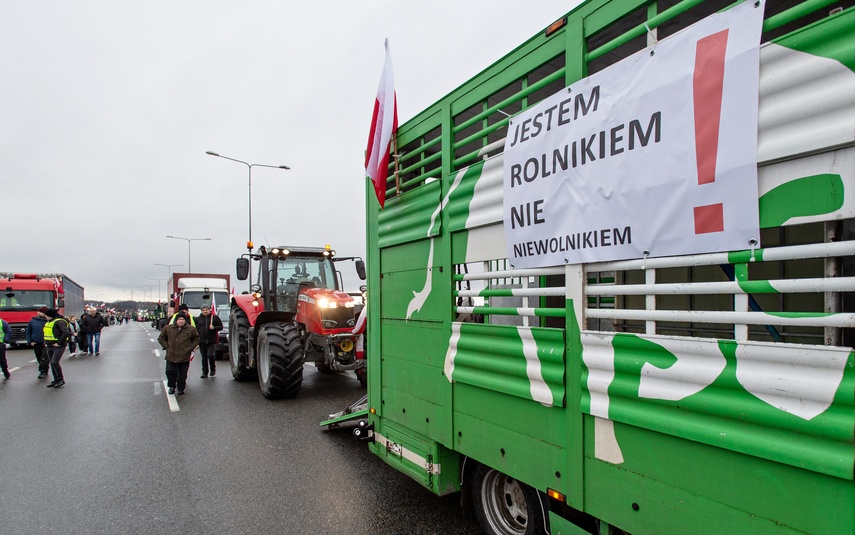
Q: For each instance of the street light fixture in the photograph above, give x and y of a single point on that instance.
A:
(150, 288)
(159, 295)
(249, 167)
(188, 240)
(169, 268)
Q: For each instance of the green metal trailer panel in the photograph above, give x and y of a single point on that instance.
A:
(703, 393)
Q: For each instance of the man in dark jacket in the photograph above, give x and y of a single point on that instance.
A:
(179, 340)
(56, 335)
(92, 324)
(208, 324)
(5, 336)
(36, 340)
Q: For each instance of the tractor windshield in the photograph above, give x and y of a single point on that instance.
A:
(294, 272)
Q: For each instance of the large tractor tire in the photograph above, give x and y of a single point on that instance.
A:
(280, 361)
(504, 505)
(238, 350)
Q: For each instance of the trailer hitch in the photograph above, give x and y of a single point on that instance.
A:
(364, 431)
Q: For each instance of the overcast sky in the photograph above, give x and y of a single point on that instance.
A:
(107, 109)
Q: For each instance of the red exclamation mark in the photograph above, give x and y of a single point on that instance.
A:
(708, 81)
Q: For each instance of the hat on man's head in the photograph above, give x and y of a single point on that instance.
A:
(51, 313)
(181, 315)
(183, 306)
(43, 309)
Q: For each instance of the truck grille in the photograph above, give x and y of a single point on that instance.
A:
(19, 333)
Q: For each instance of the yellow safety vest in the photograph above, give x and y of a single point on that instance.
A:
(48, 330)
(2, 332)
(192, 319)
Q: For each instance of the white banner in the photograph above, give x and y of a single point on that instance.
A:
(655, 155)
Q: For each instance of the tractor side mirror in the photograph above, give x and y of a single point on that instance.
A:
(242, 268)
(360, 269)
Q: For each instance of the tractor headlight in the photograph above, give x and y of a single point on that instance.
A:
(329, 324)
(327, 303)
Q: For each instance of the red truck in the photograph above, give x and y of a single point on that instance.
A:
(22, 294)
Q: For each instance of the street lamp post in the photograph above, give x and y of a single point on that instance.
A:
(188, 240)
(168, 268)
(158, 285)
(249, 167)
(150, 288)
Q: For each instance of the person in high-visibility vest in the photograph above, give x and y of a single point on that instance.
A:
(179, 340)
(186, 310)
(5, 334)
(56, 338)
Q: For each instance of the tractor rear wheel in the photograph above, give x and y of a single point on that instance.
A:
(238, 350)
(280, 361)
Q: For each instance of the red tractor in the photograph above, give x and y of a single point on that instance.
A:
(296, 313)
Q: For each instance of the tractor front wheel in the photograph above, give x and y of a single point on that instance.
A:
(280, 361)
(238, 350)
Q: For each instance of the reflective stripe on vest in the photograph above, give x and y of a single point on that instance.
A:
(48, 329)
(2, 332)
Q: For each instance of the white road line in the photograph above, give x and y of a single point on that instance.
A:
(16, 368)
(157, 388)
(173, 403)
(156, 353)
(34, 360)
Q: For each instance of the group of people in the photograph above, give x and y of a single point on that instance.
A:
(49, 333)
(181, 337)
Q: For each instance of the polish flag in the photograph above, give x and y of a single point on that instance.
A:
(213, 308)
(384, 124)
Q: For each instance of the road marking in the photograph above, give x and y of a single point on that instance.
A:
(173, 403)
(156, 353)
(16, 368)
(34, 360)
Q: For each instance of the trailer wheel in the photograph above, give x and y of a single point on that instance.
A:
(238, 329)
(505, 506)
(280, 361)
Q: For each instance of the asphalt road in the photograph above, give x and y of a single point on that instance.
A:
(106, 454)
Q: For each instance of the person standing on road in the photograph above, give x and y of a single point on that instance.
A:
(56, 335)
(208, 325)
(92, 324)
(179, 340)
(36, 340)
(74, 328)
(186, 310)
(5, 334)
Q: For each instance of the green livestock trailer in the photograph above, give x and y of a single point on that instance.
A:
(590, 357)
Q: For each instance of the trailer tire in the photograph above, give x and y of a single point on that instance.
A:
(280, 361)
(238, 351)
(504, 505)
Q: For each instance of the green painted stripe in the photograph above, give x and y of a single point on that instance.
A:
(807, 196)
(757, 287)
